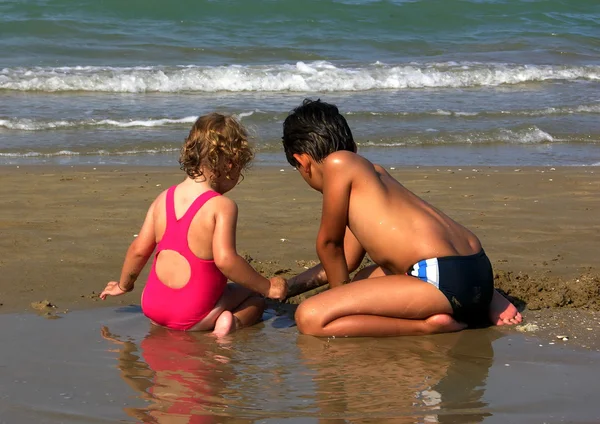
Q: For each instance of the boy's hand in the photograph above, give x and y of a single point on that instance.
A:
(278, 289)
(112, 289)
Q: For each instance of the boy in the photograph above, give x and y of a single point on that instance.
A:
(431, 274)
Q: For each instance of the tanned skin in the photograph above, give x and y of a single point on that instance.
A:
(365, 210)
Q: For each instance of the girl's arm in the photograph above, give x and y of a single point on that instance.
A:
(231, 264)
(136, 258)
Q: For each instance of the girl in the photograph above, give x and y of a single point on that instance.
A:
(192, 226)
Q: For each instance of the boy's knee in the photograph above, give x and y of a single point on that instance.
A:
(307, 320)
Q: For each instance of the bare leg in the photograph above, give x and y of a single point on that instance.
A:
(393, 305)
(238, 307)
(371, 271)
(249, 312)
(374, 271)
(502, 312)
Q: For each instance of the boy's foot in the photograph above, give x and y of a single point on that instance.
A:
(225, 324)
(502, 312)
(444, 323)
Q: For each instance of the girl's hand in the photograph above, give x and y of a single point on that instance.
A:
(278, 289)
(112, 289)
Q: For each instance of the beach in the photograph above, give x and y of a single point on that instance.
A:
(75, 358)
(488, 110)
(65, 231)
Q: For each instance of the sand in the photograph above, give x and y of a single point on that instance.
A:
(64, 232)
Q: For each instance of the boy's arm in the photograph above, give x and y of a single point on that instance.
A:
(334, 219)
(137, 256)
(354, 251)
(316, 277)
(232, 265)
(381, 170)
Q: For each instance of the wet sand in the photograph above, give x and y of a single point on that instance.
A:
(64, 231)
(108, 365)
(68, 357)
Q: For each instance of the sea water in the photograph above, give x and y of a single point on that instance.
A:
(436, 82)
(109, 365)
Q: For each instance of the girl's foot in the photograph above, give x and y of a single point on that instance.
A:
(225, 324)
(502, 312)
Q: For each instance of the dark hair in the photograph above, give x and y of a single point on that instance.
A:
(317, 129)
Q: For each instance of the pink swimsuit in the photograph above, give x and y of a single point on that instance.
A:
(181, 309)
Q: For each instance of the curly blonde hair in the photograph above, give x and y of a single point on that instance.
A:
(215, 141)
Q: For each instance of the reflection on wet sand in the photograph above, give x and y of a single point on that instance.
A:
(435, 379)
(176, 372)
(190, 378)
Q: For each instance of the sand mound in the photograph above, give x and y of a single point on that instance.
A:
(540, 292)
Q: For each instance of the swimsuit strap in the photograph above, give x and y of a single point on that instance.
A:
(170, 204)
(196, 205)
(176, 229)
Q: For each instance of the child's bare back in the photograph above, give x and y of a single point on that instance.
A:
(385, 216)
(171, 267)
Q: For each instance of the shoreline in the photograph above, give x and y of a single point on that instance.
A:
(64, 230)
(465, 156)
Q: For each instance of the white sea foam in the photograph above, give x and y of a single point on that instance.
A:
(243, 115)
(593, 108)
(150, 151)
(532, 135)
(38, 154)
(300, 77)
(25, 124)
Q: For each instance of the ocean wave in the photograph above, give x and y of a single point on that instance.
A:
(101, 152)
(593, 108)
(530, 135)
(319, 76)
(26, 124)
(503, 136)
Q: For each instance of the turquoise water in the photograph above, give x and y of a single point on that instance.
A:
(421, 82)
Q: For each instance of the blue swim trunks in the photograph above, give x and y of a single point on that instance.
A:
(466, 281)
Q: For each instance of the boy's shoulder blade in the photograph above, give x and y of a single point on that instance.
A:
(343, 157)
(347, 160)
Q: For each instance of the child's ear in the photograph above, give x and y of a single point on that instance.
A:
(303, 162)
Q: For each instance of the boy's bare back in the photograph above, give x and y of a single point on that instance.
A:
(394, 226)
